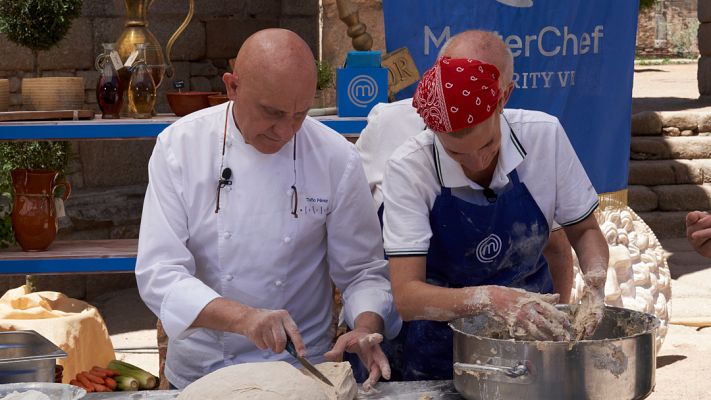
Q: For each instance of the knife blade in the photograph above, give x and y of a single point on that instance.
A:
(305, 363)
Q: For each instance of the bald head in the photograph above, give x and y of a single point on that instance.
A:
(279, 54)
(484, 46)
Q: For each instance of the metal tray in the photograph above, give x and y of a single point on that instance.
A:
(27, 356)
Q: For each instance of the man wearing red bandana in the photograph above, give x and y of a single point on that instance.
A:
(468, 207)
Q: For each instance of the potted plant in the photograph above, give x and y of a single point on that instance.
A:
(29, 173)
(324, 82)
(40, 25)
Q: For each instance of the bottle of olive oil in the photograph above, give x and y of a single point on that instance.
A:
(141, 88)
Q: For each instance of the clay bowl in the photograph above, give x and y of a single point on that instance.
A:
(184, 103)
(216, 99)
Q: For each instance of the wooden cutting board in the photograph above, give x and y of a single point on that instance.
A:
(45, 115)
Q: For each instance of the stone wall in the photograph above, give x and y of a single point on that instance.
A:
(199, 56)
(669, 29)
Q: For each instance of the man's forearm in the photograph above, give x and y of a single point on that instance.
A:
(592, 250)
(419, 300)
(559, 256)
(223, 315)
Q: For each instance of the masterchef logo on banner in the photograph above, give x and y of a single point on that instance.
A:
(573, 59)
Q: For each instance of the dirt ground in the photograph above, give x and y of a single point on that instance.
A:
(683, 367)
(670, 87)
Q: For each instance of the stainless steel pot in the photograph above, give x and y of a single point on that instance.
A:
(618, 362)
(27, 356)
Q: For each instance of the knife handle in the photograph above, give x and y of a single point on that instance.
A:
(290, 347)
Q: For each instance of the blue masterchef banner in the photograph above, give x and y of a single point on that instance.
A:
(573, 59)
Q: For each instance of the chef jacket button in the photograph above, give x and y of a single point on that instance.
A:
(290, 192)
(229, 143)
(227, 235)
(228, 277)
(287, 239)
(279, 283)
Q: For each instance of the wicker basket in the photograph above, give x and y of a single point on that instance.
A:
(53, 93)
(4, 94)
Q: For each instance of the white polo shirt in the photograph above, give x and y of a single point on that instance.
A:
(533, 143)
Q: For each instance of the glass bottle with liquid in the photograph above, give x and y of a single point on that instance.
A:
(141, 88)
(109, 88)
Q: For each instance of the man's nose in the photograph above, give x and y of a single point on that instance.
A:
(284, 129)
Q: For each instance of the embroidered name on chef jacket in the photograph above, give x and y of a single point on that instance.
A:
(315, 206)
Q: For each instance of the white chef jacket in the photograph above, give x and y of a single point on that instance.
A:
(389, 126)
(254, 251)
(533, 143)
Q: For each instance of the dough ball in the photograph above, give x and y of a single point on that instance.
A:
(341, 375)
(250, 381)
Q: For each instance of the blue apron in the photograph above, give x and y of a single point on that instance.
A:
(472, 245)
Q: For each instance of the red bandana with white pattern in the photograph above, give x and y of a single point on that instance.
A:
(457, 93)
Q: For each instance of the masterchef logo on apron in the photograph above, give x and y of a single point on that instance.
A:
(488, 249)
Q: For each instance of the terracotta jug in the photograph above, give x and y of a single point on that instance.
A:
(34, 216)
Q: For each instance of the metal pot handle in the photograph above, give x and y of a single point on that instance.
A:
(512, 372)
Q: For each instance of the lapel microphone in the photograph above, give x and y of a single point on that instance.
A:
(226, 175)
(490, 195)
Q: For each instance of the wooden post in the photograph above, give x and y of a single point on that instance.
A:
(348, 13)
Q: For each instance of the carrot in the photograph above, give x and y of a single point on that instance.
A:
(107, 371)
(101, 388)
(76, 383)
(84, 381)
(93, 378)
(97, 372)
(110, 383)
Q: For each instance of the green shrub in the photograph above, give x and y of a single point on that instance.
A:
(324, 72)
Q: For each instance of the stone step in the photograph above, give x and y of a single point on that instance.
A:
(666, 224)
(669, 148)
(669, 197)
(653, 123)
(669, 172)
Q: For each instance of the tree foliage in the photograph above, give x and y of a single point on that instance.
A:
(644, 4)
(37, 24)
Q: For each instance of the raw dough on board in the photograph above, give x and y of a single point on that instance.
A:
(272, 381)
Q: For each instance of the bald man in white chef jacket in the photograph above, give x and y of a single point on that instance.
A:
(252, 210)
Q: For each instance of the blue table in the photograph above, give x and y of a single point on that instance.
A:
(128, 128)
(101, 255)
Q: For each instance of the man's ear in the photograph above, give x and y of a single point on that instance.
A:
(231, 82)
(505, 96)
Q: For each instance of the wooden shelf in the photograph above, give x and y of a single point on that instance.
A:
(72, 256)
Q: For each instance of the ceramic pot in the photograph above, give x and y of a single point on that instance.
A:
(34, 216)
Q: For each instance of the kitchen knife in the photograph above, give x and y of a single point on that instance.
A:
(305, 363)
